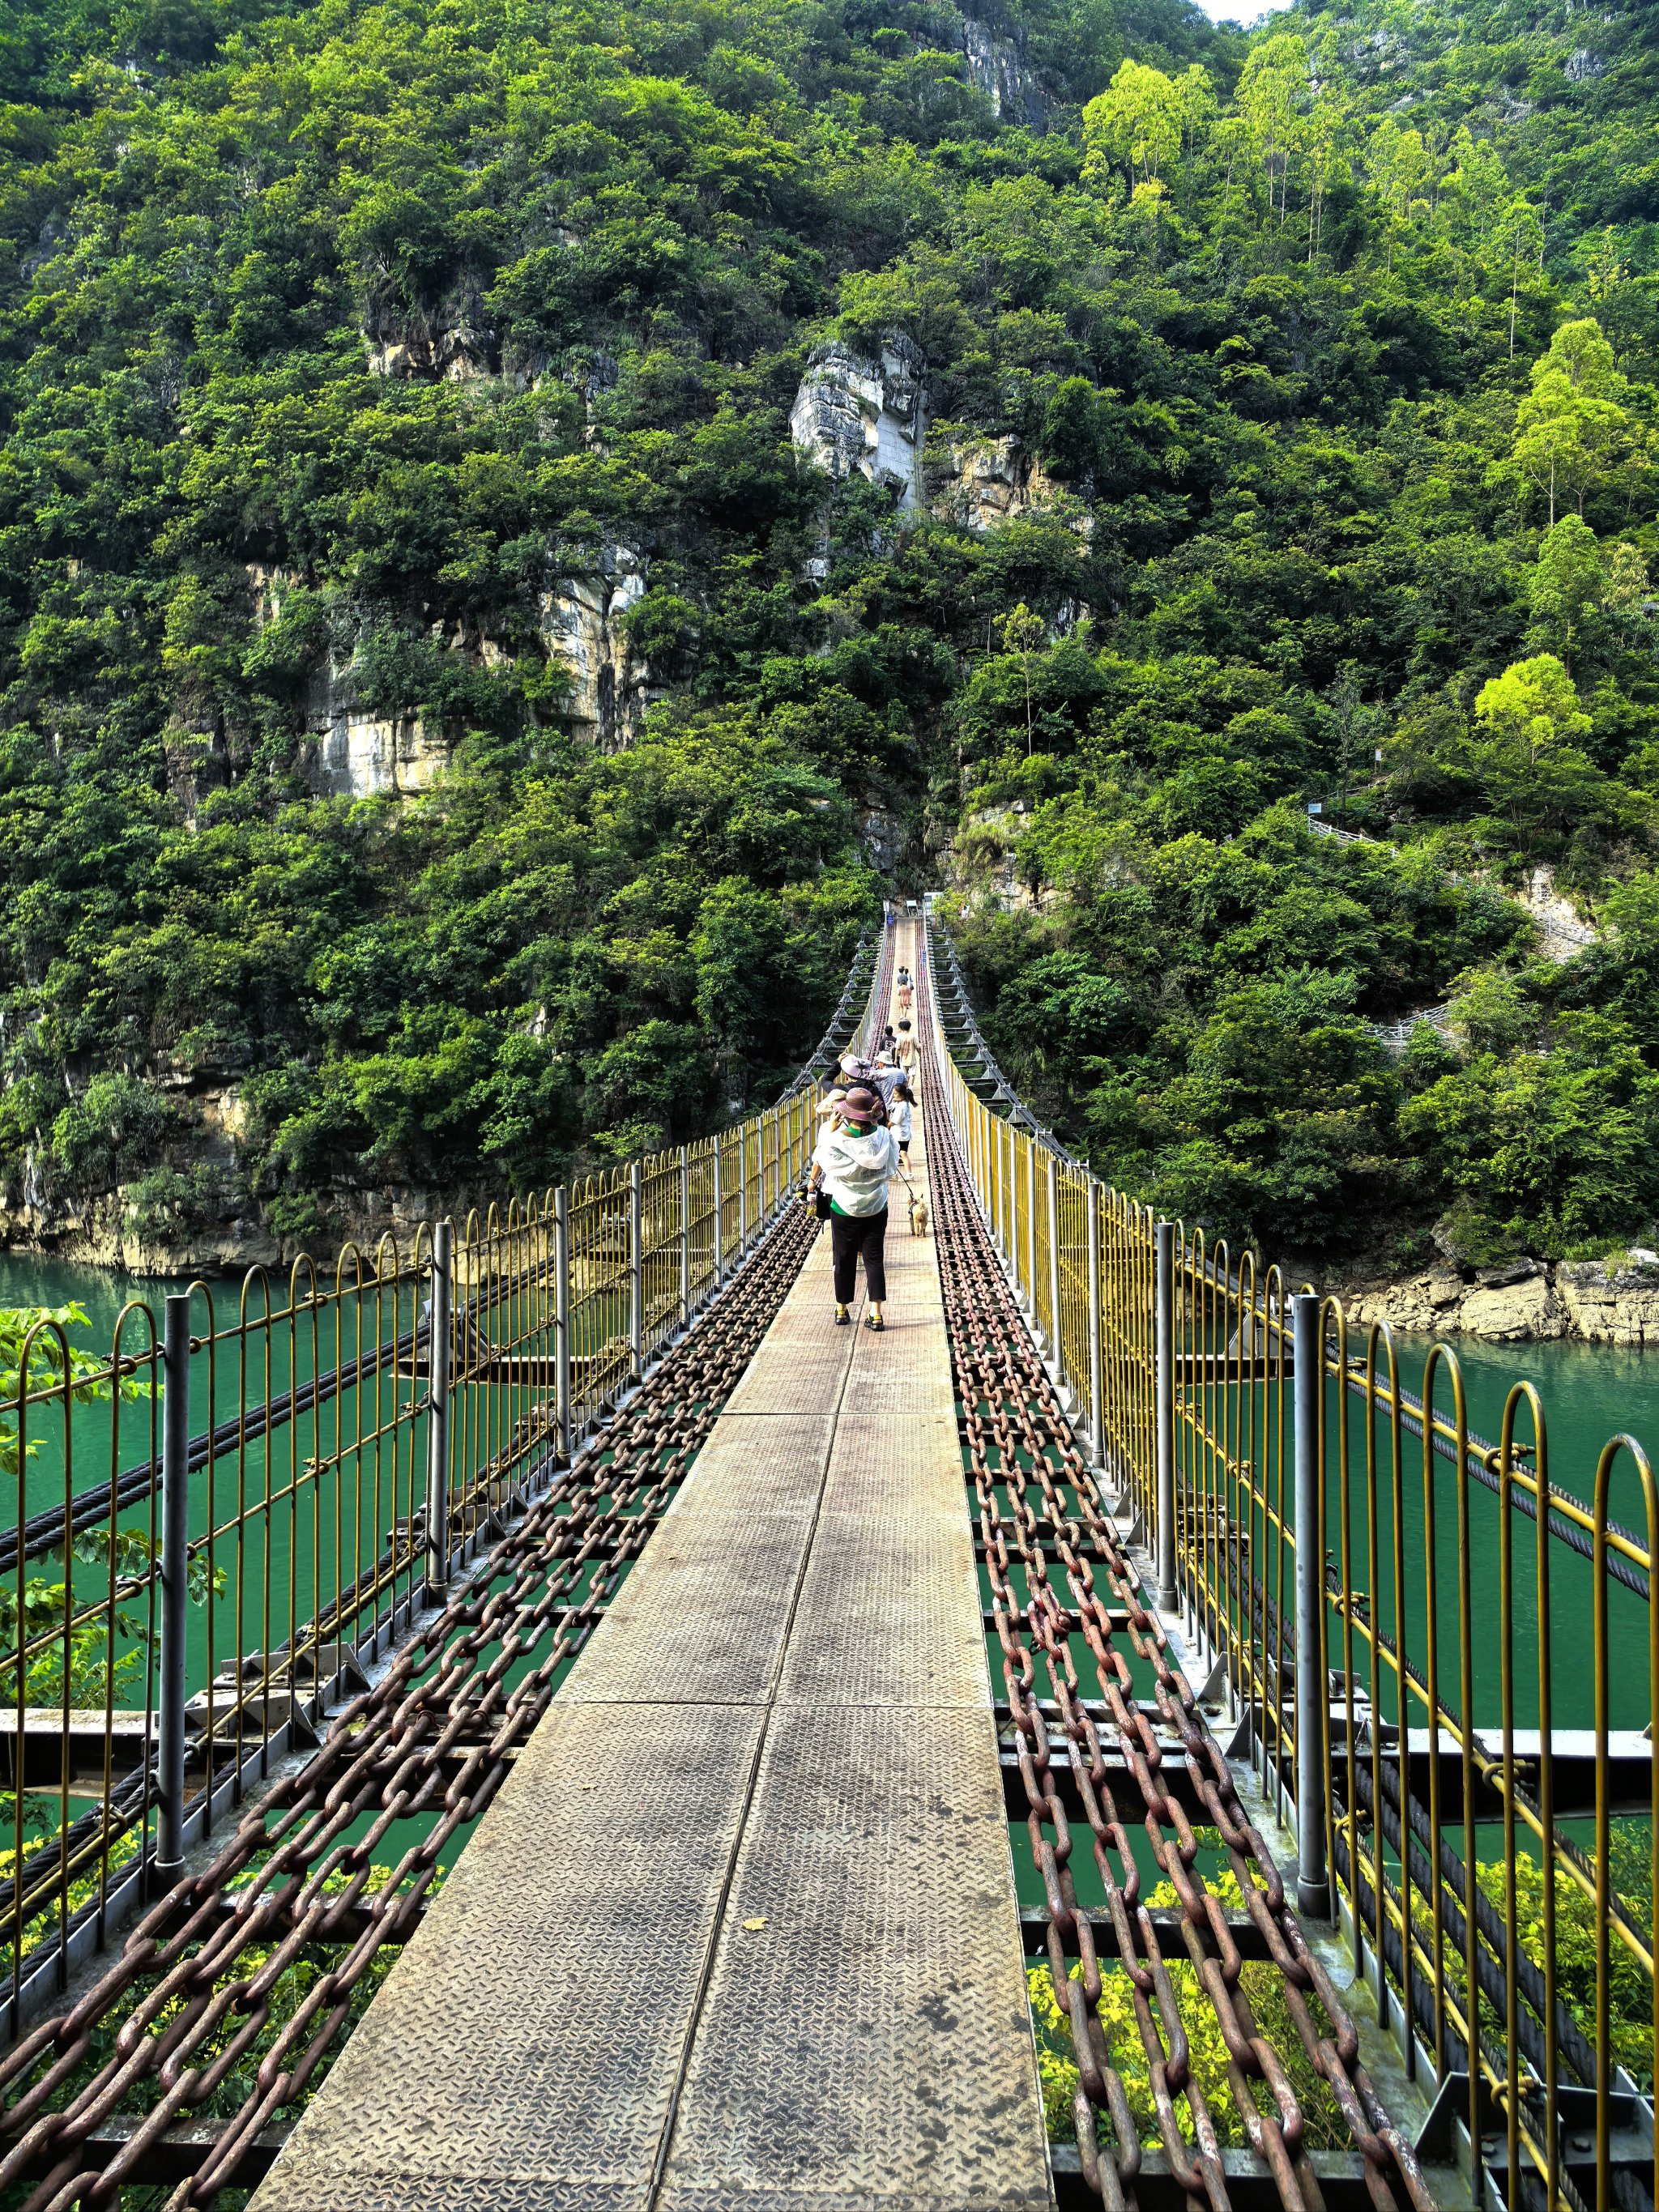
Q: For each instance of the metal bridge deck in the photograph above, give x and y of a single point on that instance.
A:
(740, 1928)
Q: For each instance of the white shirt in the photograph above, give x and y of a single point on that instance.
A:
(856, 1171)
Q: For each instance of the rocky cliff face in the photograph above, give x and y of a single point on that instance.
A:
(111, 1232)
(582, 623)
(349, 752)
(452, 339)
(206, 1221)
(353, 755)
(1593, 1301)
(855, 412)
(997, 70)
(977, 482)
(1563, 933)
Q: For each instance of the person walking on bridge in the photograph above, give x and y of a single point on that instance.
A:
(854, 1164)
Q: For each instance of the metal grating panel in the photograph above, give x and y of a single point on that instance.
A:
(533, 2030)
(871, 2045)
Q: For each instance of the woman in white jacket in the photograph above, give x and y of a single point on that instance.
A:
(855, 1160)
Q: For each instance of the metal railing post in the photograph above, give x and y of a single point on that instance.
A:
(1031, 1229)
(1006, 1171)
(439, 1352)
(562, 1321)
(743, 1191)
(175, 1589)
(1164, 1354)
(1057, 1332)
(637, 1270)
(720, 1220)
(685, 1238)
(1313, 1887)
(1097, 1368)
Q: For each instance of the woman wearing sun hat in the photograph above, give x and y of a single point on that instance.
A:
(856, 1158)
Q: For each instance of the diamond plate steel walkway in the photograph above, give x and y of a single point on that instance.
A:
(740, 1929)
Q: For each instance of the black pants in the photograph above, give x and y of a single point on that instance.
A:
(849, 1235)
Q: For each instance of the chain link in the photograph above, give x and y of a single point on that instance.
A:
(433, 1740)
(1019, 1443)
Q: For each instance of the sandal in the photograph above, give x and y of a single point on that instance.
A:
(841, 1317)
(874, 1322)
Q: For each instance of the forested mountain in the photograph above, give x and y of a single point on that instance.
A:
(513, 518)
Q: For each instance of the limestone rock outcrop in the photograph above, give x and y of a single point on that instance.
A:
(452, 339)
(348, 750)
(1563, 933)
(996, 69)
(582, 628)
(354, 755)
(856, 413)
(1593, 1301)
(977, 482)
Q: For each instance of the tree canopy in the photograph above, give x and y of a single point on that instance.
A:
(425, 372)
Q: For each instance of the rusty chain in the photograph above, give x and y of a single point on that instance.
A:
(1017, 1440)
(161, 2031)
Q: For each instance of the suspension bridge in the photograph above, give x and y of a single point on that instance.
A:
(545, 1718)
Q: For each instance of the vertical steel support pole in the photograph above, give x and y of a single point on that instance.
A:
(720, 1220)
(636, 1271)
(175, 1588)
(685, 1237)
(1030, 1228)
(438, 1355)
(561, 1320)
(1013, 1204)
(1313, 1887)
(743, 1191)
(1057, 1332)
(1096, 1365)
(1002, 1132)
(1164, 1354)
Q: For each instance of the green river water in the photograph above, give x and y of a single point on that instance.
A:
(1589, 1393)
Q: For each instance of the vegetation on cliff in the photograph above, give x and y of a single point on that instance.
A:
(1317, 364)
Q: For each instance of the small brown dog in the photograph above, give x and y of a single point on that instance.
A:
(918, 1214)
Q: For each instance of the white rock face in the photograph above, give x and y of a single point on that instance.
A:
(349, 752)
(360, 754)
(454, 353)
(996, 69)
(853, 413)
(581, 627)
(1562, 931)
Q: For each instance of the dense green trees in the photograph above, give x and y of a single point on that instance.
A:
(338, 339)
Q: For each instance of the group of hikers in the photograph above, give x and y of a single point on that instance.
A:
(866, 1140)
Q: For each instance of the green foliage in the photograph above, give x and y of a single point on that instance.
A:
(1263, 1988)
(71, 1650)
(1309, 376)
(1574, 1948)
(1575, 1957)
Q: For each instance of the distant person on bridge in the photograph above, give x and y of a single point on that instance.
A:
(899, 1118)
(854, 1162)
(907, 1049)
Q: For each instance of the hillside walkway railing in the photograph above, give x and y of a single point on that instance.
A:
(223, 1519)
(1438, 1653)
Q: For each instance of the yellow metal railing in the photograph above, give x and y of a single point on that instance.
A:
(1441, 1651)
(324, 1473)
